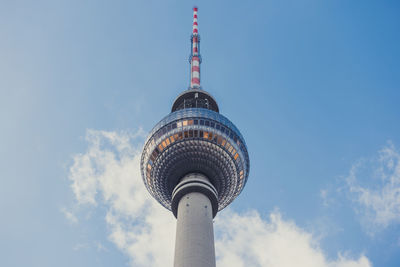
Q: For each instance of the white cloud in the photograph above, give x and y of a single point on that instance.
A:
(248, 240)
(81, 246)
(108, 173)
(100, 247)
(374, 185)
(69, 215)
(324, 194)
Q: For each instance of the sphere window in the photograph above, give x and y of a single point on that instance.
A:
(227, 145)
(219, 141)
(215, 138)
(223, 142)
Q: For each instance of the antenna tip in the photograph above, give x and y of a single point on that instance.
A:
(195, 8)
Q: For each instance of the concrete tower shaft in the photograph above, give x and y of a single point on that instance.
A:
(196, 200)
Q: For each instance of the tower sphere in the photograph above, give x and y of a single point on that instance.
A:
(195, 139)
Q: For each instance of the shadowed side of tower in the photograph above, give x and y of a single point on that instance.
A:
(194, 163)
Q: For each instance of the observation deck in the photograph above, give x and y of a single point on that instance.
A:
(195, 140)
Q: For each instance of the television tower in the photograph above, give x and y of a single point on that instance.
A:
(195, 163)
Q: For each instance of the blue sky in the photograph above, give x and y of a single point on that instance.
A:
(312, 85)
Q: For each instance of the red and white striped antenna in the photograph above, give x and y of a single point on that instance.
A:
(195, 58)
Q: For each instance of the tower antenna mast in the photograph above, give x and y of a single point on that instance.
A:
(195, 58)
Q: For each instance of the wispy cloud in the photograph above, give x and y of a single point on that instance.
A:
(81, 246)
(108, 173)
(374, 186)
(69, 215)
(100, 247)
(326, 200)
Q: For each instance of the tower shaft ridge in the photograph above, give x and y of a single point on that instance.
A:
(195, 162)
